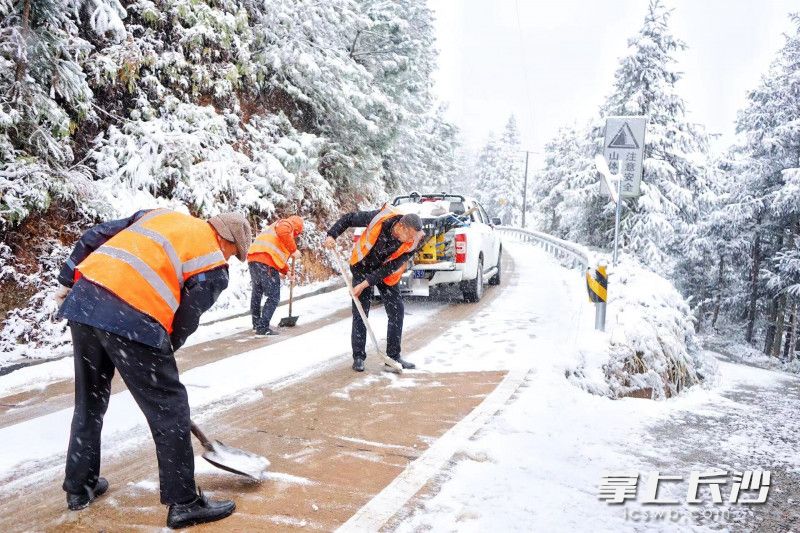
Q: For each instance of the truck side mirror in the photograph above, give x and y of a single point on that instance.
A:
(496, 221)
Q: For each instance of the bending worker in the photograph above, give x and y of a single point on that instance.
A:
(379, 258)
(139, 286)
(267, 258)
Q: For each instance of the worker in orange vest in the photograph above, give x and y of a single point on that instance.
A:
(379, 258)
(268, 258)
(133, 290)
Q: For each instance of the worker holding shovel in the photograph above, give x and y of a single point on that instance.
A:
(379, 258)
(268, 258)
(133, 290)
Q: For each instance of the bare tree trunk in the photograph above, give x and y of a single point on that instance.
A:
(791, 334)
(797, 341)
(751, 313)
(22, 62)
(718, 298)
(779, 326)
(352, 52)
(772, 315)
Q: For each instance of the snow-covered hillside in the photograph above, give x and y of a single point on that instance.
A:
(273, 108)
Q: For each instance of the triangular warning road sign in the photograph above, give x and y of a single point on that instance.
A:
(624, 139)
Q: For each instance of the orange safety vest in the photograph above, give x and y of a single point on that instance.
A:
(146, 264)
(269, 243)
(369, 237)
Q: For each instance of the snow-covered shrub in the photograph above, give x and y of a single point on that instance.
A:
(184, 154)
(650, 348)
(29, 331)
(271, 108)
(210, 162)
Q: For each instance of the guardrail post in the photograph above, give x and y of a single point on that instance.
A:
(597, 286)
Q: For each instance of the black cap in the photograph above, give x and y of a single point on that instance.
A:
(412, 221)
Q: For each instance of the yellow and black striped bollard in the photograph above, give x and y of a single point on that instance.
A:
(597, 286)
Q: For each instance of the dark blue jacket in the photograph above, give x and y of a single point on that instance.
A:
(372, 267)
(95, 306)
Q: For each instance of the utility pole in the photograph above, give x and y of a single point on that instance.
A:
(525, 189)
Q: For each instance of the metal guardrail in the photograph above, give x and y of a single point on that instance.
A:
(571, 255)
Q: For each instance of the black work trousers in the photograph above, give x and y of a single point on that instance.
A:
(393, 303)
(152, 379)
(266, 281)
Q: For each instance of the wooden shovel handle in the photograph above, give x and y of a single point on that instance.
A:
(291, 288)
(201, 437)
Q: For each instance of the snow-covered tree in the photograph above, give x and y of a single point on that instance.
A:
(709, 270)
(273, 107)
(43, 95)
(566, 192)
(741, 261)
(429, 162)
(655, 224)
(499, 176)
(770, 124)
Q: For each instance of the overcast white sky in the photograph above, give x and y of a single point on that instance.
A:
(569, 49)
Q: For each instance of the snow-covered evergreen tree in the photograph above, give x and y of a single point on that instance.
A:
(655, 224)
(43, 95)
(710, 269)
(397, 48)
(273, 107)
(499, 177)
(770, 197)
(741, 262)
(566, 192)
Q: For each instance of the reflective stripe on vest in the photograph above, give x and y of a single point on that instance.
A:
(146, 264)
(368, 239)
(268, 242)
(202, 263)
(144, 269)
(168, 248)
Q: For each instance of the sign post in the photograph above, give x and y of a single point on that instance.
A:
(617, 215)
(624, 153)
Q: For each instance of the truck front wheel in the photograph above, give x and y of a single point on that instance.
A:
(473, 288)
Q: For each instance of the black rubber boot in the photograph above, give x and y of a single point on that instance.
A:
(198, 511)
(358, 365)
(76, 502)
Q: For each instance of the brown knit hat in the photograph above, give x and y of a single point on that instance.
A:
(235, 228)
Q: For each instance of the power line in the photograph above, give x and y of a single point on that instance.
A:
(525, 184)
(524, 70)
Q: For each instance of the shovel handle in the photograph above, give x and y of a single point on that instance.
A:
(201, 437)
(357, 303)
(291, 288)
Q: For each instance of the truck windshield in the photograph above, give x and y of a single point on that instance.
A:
(453, 198)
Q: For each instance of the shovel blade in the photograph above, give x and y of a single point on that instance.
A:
(288, 322)
(392, 369)
(237, 461)
(390, 365)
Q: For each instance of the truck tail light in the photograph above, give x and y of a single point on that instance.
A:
(461, 248)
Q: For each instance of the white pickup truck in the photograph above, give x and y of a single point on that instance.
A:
(462, 247)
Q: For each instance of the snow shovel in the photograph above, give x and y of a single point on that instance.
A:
(289, 321)
(393, 365)
(232, 459)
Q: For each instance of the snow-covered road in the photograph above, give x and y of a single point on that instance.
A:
(537, 464)
(534, 461)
